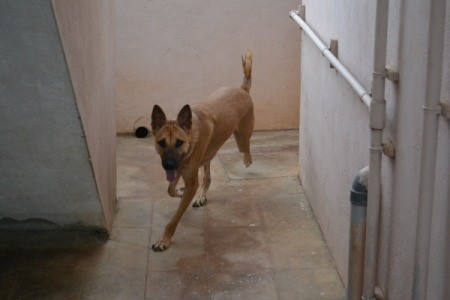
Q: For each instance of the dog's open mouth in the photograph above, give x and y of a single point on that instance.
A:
(171, 175)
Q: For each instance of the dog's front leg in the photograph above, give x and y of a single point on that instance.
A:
(172, 191)
(191, 181)
(201, 200)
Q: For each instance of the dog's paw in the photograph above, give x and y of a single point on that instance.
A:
(247, 160)
(161, 245)
(200, 202)
(177, 193)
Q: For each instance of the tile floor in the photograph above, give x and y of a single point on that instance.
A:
(257, 237)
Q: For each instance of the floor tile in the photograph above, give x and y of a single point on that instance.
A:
(187, 252)
(133, 212)
(48, 274)
(114, 286)
(298, 247)
(285, 209)
(262, 186)
(131, 235)
(165, 208)
(236, 286)
(177, 285)
(119, 273)
(265, 165)
(230, 209)
(59, 284)
(237, 249)
(310, 284)
(131, 182)
(267, 139)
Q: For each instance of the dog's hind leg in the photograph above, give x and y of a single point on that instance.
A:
(242, 136)
(201, 200)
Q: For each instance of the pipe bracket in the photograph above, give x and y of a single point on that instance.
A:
(445, 106)
(333, 49)
(433, 109)
(302, 12)
(392, 75)
(388, 149)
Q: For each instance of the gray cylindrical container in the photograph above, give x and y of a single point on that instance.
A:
(358, 199)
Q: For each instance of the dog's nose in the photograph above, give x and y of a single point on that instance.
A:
(170, 161)
(169, 164)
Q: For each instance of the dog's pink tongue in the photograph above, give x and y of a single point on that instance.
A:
(171, 175)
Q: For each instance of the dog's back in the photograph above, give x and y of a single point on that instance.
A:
(230, 105)
(226, 111)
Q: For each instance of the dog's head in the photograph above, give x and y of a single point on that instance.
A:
(171, 138)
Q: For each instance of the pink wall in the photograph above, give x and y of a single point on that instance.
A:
(87, 31)
(177, 52)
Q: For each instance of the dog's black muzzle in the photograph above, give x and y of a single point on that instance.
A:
(170, 161)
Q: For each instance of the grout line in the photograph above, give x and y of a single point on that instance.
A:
(309, 268)
(126, 243)
(265, 231)
(148, 249)
(262, 178)
(223, 170)
(205, 228)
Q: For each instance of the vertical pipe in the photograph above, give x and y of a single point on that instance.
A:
(370, 262)
(429, 144)
(377, 123)
(447, 260)
(358, 199)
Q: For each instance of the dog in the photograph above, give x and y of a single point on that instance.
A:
(193, 139)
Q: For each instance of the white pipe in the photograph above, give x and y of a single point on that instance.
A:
(377, 123)
(429, 144)
(354, 83)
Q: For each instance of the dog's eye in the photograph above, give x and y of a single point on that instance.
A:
(179, 143)
(162, 143)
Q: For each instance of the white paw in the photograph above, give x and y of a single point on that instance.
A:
(200, 201)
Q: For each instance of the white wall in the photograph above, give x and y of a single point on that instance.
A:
(334, 123)
(176, 52)
(334, 135)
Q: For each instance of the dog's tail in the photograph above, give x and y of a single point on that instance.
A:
(247, 65)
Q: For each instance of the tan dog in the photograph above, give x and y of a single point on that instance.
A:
(193, 139)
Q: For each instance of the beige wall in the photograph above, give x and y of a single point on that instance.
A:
(87, 31)
(176, 52)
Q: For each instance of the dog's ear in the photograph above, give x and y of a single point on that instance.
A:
(158, 118)
(184, 118)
